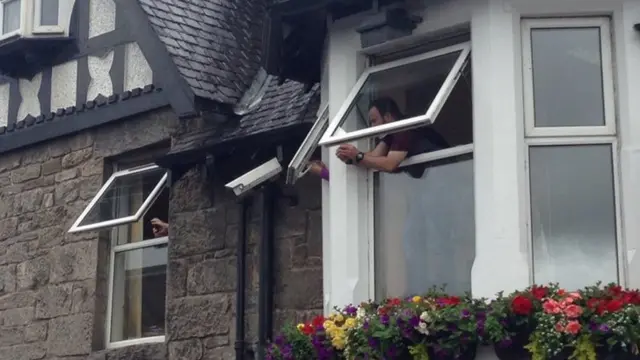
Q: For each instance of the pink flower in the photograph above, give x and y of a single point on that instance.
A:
(552, 307)
(566, 302)
(575, 295)
(573, 327)
(573, 311)
(559, 327)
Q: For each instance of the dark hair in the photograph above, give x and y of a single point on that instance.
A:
(387, 105)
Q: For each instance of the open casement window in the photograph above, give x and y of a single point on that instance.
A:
(298, 166)
(424, 214)
(439, 70)
(115, 202)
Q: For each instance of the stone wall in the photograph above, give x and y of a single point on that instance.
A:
(52, 288)
(53, 284)
(202, 281)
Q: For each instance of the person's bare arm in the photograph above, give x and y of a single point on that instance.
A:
(380, 150)
(388, 163)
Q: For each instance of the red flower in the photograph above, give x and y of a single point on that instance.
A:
(394, 302)
(307, 329)
(448, 301)
(614, 305)
(593, 303)
(615, 290)
(539, 292)
(318, 321)
(521, 305)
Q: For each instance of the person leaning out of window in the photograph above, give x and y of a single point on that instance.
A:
(389, 152)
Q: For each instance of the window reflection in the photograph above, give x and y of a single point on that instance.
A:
(425, 229)
(424, 215)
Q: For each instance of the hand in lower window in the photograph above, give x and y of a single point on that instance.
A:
(160, 228)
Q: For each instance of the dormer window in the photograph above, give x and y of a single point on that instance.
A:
(11, 17)
(33, 18)
(31, 34)
(47, 16)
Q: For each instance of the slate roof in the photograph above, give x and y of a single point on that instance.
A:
(282, 106)
(214, 43)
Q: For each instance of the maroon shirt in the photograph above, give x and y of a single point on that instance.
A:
(400, 141)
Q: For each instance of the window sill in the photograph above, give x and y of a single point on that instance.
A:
(132, 342)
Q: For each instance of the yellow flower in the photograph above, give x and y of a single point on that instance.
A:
(339, 318)
(300, 327)
(328, 324)
(416, 299)
(338, 343)
(350, 323)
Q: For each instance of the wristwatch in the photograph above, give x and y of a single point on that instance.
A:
(359, 157)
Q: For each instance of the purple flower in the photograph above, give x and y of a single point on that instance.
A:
(414, 321)
(604, 328)
(465, 313)
(365, 325)
(351, 310)
(280, 340)
(373, 342)
(384, 319)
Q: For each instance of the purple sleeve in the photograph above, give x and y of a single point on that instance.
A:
(324, 173)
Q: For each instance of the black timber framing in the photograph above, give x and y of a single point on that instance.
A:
(87, 116)
(182, 98)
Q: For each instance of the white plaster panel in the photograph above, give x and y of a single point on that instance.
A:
(100, 83)
(137, 71)
(102, 17)
(29, 92)
(4, 103)
(64, 85)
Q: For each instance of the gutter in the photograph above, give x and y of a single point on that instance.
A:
(241, 256)
(266, 291)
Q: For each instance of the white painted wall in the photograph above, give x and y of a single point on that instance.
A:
(500, 186)
(103, 17)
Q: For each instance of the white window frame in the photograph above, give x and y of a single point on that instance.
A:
(20, 29)
(609, 127)
(123, 220)
(424, 158)
(116, 249)
(332, 138)
(574, 135)
(298, 166)
(50, 29)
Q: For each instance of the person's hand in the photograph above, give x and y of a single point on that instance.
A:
(160, 228)
(347, 152)
(315, 167)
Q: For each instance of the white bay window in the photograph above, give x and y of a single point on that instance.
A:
(422, 228)
(126, 205)
(572, 165)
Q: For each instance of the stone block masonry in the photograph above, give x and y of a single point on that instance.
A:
(53, 287)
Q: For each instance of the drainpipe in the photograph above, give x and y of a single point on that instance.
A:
(241, 256)
(265, 296)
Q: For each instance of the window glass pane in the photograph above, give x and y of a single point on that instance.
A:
(567, 77)
(124, 197)
(153, 224)
(11, 16)
(139, 289)
(425, 228)
(573, 214)
(49, 12)
(424, 77)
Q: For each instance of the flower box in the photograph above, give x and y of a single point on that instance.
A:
(537, 323)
